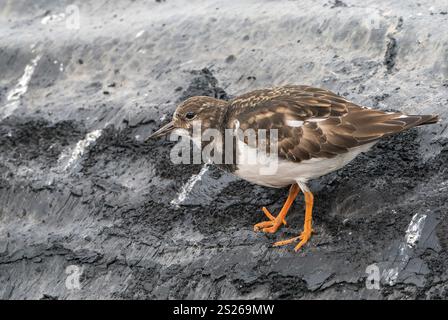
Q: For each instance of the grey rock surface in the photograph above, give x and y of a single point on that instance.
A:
(79, 187)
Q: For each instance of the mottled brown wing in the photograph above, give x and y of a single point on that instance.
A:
(313, 122)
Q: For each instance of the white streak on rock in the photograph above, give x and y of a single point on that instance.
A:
(22, 86)
(14, 95)
(140, 33)
(391, 275)
(70, 158)
(415, 229)
(413, 234)
(187, 187)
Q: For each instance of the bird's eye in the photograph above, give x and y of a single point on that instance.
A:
(190, 115)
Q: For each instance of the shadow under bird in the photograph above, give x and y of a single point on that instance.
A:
(317, 131)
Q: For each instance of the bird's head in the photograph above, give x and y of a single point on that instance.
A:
(209, 111)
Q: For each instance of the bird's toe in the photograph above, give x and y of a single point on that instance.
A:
(263, 225)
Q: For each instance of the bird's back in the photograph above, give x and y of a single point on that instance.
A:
(315, 123)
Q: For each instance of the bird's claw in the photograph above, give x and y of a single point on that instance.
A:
(266, 226)
(270, 226)
(303, 237)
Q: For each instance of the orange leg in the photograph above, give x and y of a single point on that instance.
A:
(307, 230)
(274, 223)
(270, 216)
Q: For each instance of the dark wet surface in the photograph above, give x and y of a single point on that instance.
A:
(115, 211)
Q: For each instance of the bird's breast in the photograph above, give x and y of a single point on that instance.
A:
(277, 172)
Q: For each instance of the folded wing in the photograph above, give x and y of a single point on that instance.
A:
(313, 122)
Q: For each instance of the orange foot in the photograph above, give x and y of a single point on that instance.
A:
(270, 226)
(307, 230)
(270, 216)
(304, 237)
(274, 223)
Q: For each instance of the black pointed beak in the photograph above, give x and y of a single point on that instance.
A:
(166, 129)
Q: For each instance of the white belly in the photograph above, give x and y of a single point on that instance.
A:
(281, 173)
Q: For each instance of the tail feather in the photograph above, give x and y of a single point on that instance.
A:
(372, 125)
(418, 120)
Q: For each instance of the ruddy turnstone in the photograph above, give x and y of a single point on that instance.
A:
(317, 132)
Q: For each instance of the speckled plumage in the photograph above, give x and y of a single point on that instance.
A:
(311, 122)
(327, 124)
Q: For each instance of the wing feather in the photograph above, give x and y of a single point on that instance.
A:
(325, 124)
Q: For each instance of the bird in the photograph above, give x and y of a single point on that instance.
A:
(318, 132)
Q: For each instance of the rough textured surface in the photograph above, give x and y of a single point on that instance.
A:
(78, 186)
